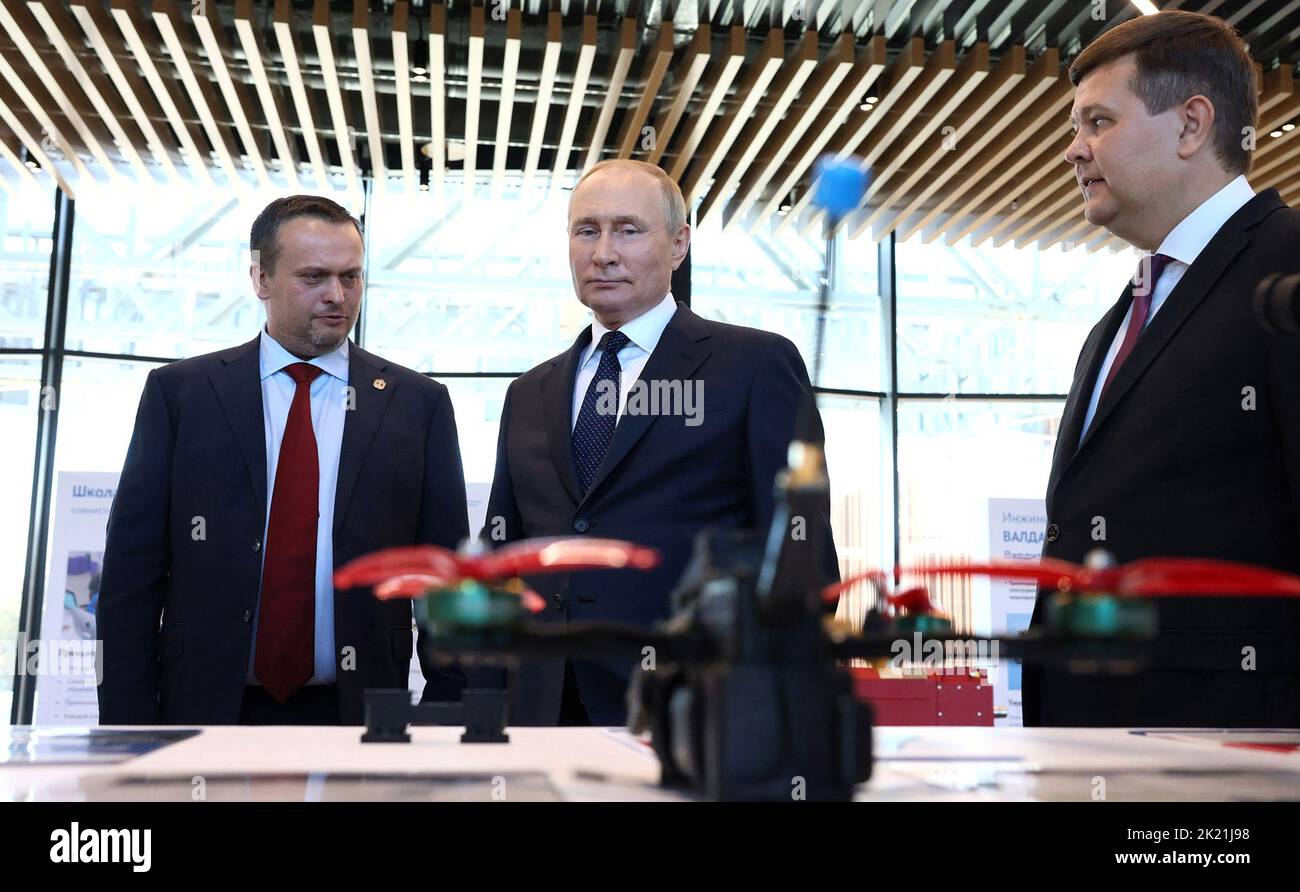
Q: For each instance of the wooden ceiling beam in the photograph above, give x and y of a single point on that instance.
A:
(891, 88)
(722, 73)
(786, 133)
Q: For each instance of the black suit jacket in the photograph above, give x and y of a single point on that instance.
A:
(1194, 452)
(175, 614)
(661, 482)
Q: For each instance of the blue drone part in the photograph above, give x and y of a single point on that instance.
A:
(840, 184)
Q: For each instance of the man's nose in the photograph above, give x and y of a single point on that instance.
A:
(603, 251)
(334, 293)
(1077, 152)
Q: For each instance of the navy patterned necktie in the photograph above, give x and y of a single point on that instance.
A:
(599, 412)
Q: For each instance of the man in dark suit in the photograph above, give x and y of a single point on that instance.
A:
(654, 425)
(1181, 434)
(252, 474)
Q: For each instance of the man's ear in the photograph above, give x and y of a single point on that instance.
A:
(681, 244)
(258, 277)
(1198, 126)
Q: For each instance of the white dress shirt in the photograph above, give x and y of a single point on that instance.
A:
(643, 334)
(1182, 246)
(328, 411)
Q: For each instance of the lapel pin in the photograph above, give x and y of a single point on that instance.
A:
(380, 383)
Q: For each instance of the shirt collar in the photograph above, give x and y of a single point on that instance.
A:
(1186, 240)
(274, 358)
(644, 331)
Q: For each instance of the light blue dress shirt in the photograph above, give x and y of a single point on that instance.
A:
(328, 411)
(1182, 245)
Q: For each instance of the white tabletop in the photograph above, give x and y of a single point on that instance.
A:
(323, 763)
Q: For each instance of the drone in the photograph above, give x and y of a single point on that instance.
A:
(751, 687)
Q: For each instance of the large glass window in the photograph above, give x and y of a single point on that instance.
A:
(858, 465)
(477, 402)
(164, 272)
(20, 407)
(954, 458)
(479, 287)
(998, 320)
(97, 409)
(757, 279)
(27, 224)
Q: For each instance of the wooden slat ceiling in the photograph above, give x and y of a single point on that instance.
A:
(960, 107)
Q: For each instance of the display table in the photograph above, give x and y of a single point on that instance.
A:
(931, 763)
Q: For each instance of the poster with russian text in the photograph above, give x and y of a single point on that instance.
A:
(1016, 529)
(65, 659)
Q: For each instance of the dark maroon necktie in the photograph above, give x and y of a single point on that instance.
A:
(1144, 286)
(286, 624)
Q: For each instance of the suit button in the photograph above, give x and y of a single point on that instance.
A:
(1053, 532)
(558, 600)
(581, 525)
(248, 616)
(257, 545)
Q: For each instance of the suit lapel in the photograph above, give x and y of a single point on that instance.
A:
(1204, 273)
(361, 422)
(238, 385)
(678, 354)
(1076, 405)
(557, 410)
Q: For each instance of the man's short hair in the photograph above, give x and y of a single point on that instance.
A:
(671, 193)
(1179, 55)
(262, 239)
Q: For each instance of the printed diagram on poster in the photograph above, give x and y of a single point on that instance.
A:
(1015, 534)
(65, 658)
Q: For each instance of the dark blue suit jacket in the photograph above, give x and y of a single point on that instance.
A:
(662, 481)
(175, 614)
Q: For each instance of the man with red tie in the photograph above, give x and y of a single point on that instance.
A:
(252, 473)
(1181, 434)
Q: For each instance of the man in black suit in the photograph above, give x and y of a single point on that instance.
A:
(252, 474)
(654, 425)
(1181, 435)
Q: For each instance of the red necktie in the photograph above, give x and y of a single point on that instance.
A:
(1144, 286)
(286, 625)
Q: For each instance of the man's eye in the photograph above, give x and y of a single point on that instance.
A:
(627, 230)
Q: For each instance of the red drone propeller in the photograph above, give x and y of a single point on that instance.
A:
(410, 571)
(912, 600)
(1145, 578)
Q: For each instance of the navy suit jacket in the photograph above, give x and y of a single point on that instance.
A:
(1194, 452)
(661, 482)
(175, 613)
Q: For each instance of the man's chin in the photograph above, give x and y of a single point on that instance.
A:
(328, 340)
(604, 301)
(1097, 214)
